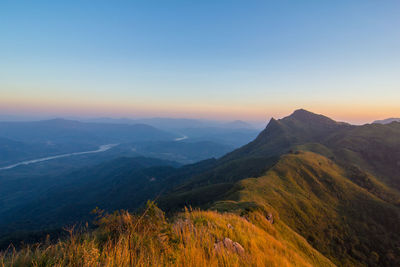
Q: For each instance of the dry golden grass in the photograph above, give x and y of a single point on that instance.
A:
(123, 239)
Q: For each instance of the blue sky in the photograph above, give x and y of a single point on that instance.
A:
(210, 59)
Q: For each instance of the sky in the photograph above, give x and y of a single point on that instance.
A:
(214, 59)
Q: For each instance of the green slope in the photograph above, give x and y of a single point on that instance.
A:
(315, 198)
(342, 195)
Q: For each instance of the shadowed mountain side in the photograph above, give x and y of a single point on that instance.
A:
(121, 183)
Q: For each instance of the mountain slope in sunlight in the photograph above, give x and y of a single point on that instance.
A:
(314, 197)
(335, 184)
(193, 238)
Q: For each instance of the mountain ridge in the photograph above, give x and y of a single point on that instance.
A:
(387, 121)
(366, 157)
(336, 185)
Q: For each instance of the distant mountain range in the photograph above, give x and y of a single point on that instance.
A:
(387, 121)
(336, 185)
(176, 123)
(234, 133)
(61, 130)
(29, 140)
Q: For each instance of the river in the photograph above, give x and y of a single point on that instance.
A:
(101, 148)
(184, 137)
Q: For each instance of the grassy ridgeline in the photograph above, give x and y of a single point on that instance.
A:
(123, 239)
(346, 222)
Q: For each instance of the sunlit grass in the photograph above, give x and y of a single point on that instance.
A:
(123, 239)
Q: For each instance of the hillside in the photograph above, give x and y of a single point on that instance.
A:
(33, 205)
(342, 195)
(314, 197)
(121, 183)
(192, 238)
(185, 152)
(325, 185)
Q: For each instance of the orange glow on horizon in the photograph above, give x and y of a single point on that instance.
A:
(354, 113)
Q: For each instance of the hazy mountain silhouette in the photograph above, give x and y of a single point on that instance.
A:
(387, 121)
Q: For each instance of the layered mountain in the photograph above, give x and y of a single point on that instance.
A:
(387, 121)
(63, 131)
(308, 180)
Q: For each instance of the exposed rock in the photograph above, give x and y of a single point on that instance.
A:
(270, 217)
(228, 244)
(238, 248)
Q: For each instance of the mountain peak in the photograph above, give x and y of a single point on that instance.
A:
(309, 117)
(302, 113)
(272, 122)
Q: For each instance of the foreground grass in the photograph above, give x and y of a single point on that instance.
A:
(123, 239)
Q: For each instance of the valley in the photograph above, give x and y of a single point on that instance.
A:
(102, 148)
